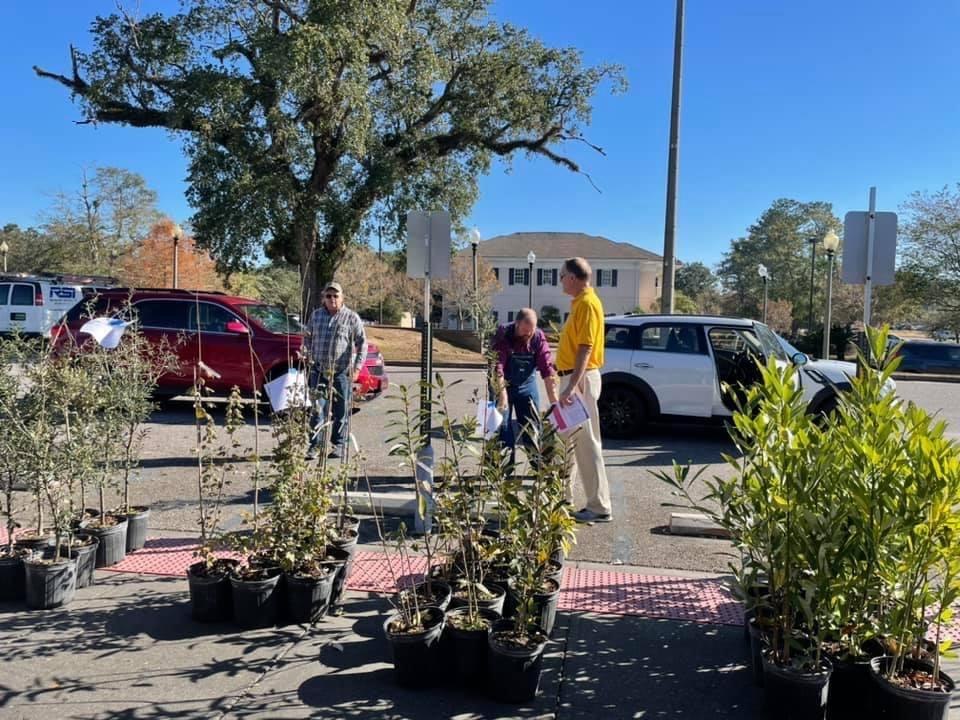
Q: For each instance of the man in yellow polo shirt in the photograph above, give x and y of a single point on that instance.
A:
(579, 359)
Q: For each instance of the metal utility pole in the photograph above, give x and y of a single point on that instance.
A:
(670, 224)
(380, 274)
(813, 268)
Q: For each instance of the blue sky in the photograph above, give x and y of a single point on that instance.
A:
(815, 101)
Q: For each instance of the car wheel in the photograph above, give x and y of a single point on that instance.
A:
(621, 411)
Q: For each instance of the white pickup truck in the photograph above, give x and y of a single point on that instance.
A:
(32, 304)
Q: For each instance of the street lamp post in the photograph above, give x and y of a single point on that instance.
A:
(813, 264)
(475, 245)
(4, 249)
(765, 275)
(830, 243)
(531, 259)
(177, 232)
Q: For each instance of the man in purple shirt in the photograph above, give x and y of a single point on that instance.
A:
(522, 350)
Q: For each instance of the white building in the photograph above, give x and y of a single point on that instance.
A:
(625, 276)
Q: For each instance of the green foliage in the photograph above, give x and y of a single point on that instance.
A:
(550, 316)
(215, 468)
(932, 246)
(780, 240)
(850, 521)
(694, 279)
(304, 121)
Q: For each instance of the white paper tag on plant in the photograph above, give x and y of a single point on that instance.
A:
(288, 390)
(106, 331)
(489, 418)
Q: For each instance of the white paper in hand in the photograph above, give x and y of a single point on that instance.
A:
(106, 331)
(288, 390)
(567, 417)
(488, 418)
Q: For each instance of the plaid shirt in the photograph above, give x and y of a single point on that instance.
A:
(336, 342)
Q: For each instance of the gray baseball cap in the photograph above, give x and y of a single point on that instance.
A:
(333, 285)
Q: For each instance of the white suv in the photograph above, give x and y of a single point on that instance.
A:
(665, 366)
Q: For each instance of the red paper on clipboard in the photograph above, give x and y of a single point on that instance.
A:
(567, 417)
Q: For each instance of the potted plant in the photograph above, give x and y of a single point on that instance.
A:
(209, 577)
(462, 499)
(414, 630)
(776, 506)
(297, 538)
(516, 646)
(43, 429)
(12, 580)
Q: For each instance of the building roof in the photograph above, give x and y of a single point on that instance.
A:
(562, 245)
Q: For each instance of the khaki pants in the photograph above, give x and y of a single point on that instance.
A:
(587, 451)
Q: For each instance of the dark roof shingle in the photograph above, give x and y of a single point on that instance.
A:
(561, 245)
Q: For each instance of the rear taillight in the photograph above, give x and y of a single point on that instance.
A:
(56, 331)
(38, 298)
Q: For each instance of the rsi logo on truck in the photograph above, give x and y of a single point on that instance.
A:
(62, 293)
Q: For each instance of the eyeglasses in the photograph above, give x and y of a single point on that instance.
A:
(328, 296)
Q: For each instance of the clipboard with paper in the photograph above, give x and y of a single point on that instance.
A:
(569, 417)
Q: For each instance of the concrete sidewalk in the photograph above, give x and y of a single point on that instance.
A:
(127, 648)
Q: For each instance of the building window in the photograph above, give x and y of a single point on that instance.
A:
(606, 278)
(565, 316)
(496, 316)
(656, 281)
(546, 276)
(496, 274)
(519, 276)
(510, 316)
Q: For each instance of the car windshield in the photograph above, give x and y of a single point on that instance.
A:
(768, 340)
(272, 317)
(788, 348)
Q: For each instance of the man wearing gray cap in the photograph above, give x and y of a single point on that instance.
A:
(337, 347)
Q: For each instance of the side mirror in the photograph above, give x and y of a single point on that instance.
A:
(237, 327)
(799, 359)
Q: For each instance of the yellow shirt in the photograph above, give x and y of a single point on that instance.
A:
(584, 326)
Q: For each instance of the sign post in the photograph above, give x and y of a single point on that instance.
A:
(428, 256)
(869, 251)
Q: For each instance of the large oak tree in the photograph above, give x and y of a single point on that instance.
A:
(303, 119)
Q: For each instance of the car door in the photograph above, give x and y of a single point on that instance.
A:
(23, 312)
(4, 307)
(673, 360)
(226, 353)
(618, 345)
(164, 323)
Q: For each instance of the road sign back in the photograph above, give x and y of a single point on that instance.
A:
(854, 267)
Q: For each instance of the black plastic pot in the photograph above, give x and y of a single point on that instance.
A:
(468, 648)
(495, 603)
(343, 549)
(307, 598)
(755, 593)
(138, 520)
(347, 522)
(545, 603)
(86, 556)
(905, 703)
(513, 673)
(793, 695)
(35, 544)
(113, 543)
(416, 656)
(49, 583)
(441, 594)
(757, 645)
(852, 691)
(211, 599)
(12, 579)
(256, 602)
(555, 571)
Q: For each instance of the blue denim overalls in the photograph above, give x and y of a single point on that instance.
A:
(520, 374)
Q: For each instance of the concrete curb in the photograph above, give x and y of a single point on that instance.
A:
(437, 366)
(920, 377)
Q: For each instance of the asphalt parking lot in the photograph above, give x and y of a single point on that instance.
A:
(637, 536)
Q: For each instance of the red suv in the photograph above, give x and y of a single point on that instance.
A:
(213, 327)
